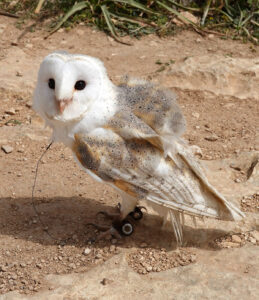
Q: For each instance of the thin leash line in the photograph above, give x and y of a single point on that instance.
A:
(32, 193)
(44, 227)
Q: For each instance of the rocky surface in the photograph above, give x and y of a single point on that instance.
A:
(222, 75)
(216, 275)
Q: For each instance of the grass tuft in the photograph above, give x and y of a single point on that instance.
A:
(236, 19)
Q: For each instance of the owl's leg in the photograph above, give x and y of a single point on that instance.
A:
(127, 206)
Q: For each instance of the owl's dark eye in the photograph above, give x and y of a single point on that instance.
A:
(51, 83)
(80, 85)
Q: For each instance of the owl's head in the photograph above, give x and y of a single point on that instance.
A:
(67, 86)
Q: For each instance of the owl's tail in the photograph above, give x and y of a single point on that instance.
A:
(225, 209)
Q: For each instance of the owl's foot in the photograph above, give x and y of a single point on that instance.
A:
(137, 213)
(119, 227)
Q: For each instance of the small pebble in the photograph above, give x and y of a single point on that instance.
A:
(112, 248)
(255, 235)
(196, 115)
(29, 104)
(72, 266)
(87, 251)
(236, 239)
(105, 281)
(149, 268)
(7, 149)
(212, 138)
(98, 255)
(10, 111)
(193, 258)
(252, 240)
(3, 269)
(19, 74)
(29, 46)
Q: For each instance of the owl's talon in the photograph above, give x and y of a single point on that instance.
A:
(137, 214)
(142, 207)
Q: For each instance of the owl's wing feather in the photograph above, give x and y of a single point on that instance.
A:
(156, 106)
(132, 163)
(189, 159)
(128, 126)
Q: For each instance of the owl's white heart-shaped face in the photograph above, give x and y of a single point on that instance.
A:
(67, 86)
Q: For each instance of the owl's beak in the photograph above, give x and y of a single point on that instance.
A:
(62, 104)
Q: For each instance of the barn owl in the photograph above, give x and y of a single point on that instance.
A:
(128, 136)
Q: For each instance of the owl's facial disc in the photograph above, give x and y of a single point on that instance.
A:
(68, 86)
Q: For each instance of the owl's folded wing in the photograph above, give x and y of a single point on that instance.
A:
(154, 105)
(129, 161)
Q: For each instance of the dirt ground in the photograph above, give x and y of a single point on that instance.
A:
(67, 199)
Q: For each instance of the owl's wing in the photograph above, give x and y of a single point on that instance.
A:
(128, 126)
(156, 106)
(128, 160)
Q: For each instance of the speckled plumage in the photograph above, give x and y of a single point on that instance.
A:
(128, 136)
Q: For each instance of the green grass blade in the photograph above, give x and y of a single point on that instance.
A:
(240, 19)
(39, 6)
(175, 12)
(110, 24)
(247, 19)
(229, 9)
(252, 38)
(225, 14)
(133, 20)
(76, 7)
(108, 20)
(255, 23)
(126, 19)
(205, 13)
(137, 5)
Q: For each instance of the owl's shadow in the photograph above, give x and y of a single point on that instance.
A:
(64, 221)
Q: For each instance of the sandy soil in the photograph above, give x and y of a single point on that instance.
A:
(66, 198)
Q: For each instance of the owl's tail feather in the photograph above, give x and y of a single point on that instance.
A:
(177, 225)
(226, 210)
